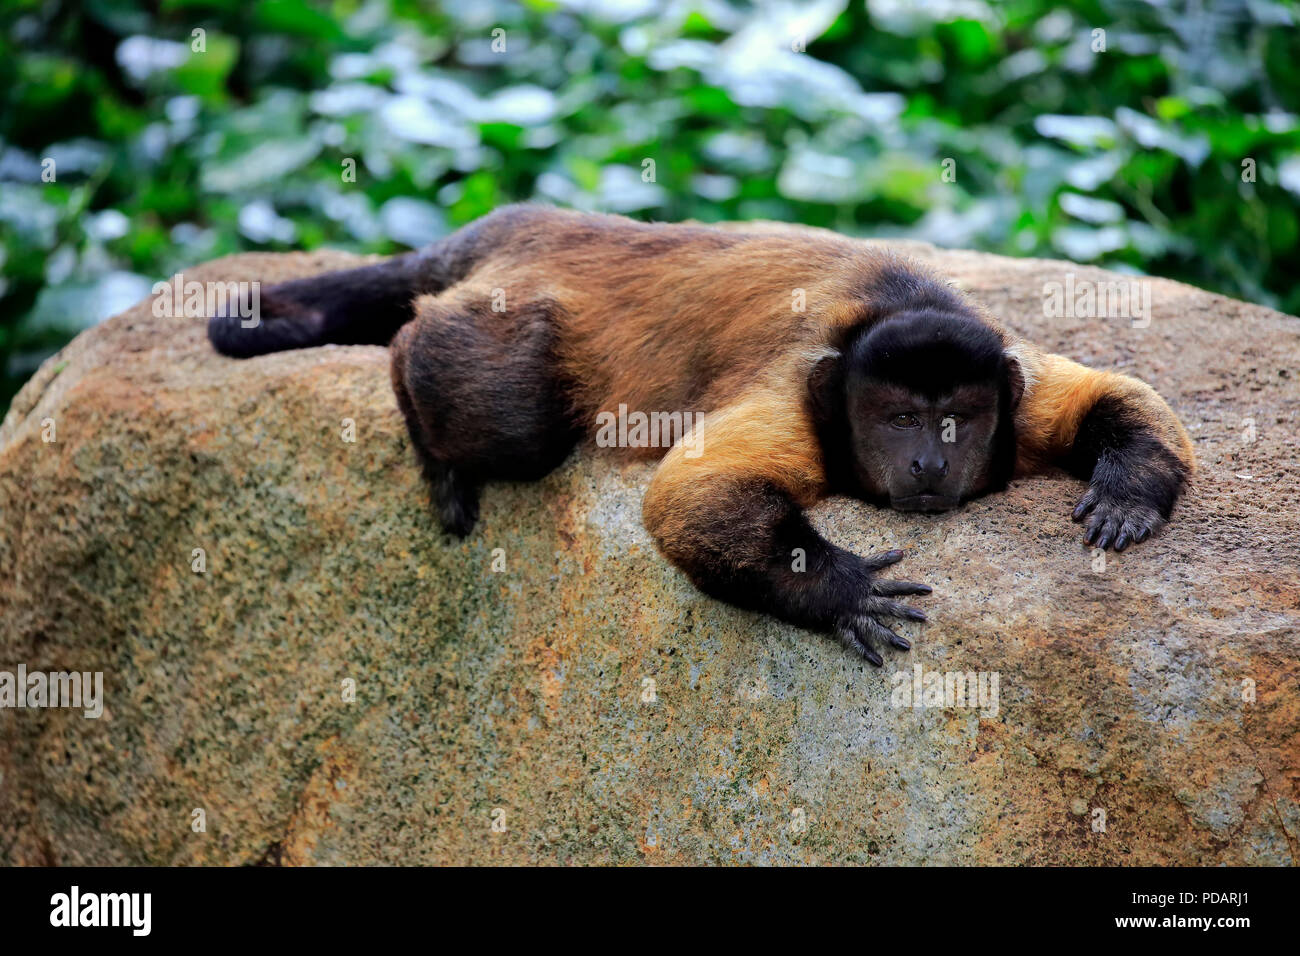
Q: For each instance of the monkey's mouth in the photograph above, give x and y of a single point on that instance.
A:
(925, 502)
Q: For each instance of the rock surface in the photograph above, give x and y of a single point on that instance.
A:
(524, 696)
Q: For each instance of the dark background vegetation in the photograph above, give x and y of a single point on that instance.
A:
(1131, 157)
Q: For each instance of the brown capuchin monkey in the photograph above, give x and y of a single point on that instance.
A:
(822, 365)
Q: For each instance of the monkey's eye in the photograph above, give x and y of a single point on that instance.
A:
(905, 421)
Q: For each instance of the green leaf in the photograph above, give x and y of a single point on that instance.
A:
(204, 73)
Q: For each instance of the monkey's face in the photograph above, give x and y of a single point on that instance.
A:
(922, 453)
(917, 411)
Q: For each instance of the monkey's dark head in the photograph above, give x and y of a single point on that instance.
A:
(917, 410)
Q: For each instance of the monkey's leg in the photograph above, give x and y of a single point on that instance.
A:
(363, 306)
(480, 394)
(367, 305)
(732, 519)
(1117, 433)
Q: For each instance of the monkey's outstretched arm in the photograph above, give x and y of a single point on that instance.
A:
(732, 519)
(1112, 430)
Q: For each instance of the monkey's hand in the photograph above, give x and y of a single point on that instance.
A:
(860, 629)
(1134, 483)
(751, 546)
(1113, 431)
(1112, 519)
(733, 520)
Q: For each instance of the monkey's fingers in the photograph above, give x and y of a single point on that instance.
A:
(853, 640)
(1135, 536)
(884, 559)
(1100, 529)
(1086, 504)
(879, 605)
(1112, 525)
(896, 588)
(863, 634)
(1134, 531)
(879, 632)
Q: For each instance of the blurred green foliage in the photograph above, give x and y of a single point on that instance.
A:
(181, 130)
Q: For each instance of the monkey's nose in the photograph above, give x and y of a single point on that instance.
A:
(927, 467)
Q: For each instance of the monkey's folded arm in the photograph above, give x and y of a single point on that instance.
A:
(1112, 430)
(732, 518)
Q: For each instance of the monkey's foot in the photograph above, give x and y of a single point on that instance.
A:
(1114, 523)
(861, 631)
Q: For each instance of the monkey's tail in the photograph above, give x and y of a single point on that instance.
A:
(364, 306)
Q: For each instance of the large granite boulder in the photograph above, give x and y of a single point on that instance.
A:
(551, 690)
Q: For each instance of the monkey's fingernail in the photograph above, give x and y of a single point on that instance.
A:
(1079, 511)
(916, 614)
(874, 658)
(924, 589)
(1122, 541)
(902, 643)
(1104, 541)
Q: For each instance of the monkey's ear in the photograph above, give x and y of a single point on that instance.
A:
(826, 387)
(1015, 380)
